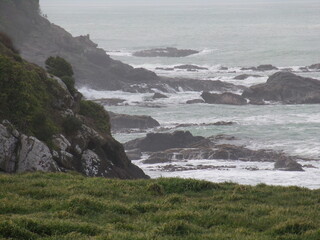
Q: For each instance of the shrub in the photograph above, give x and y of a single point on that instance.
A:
(59, 67)
(71, 125)
(7, 42)
(69, 82)
(97, 113)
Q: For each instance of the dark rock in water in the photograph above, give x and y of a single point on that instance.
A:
(110, 101)
(223, 68)
(286, 88)
(304, 69)
(161, 141)
(245, 76)
(165, 52)
(315, 66)
(134, 154)
(159, 95)
(287, 164)
(195, 101)
(165, 69)
(224, 98)
(257, 102)
(267, 67)
(223, 123)
(190, 67)
(124, 121)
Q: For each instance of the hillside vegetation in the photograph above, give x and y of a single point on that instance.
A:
(70, 206)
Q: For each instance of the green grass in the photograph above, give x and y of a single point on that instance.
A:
(70, 206)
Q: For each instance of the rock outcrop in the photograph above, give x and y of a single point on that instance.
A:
(175, 148)
(165, 52)
(124, 121)
(287, 88)
(224, 98)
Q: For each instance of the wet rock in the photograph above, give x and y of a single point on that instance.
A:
(315, 66)
(266, 67)
(124, 121)
(164, 69)
(194, 101)
(161, 141)
(159, 95)
(224, 98)
(223, 68)
(245, 76)
(287, 164)
(223, 123)
(189, 67)
(91, 163)
(287, 88)
(165, 52)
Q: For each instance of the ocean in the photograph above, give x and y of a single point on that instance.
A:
(230, 33)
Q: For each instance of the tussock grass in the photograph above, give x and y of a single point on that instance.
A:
(56, 206)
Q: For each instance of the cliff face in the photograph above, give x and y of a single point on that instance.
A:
(37, 39)
(44, 126)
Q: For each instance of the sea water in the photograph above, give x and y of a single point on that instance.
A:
(227, 33)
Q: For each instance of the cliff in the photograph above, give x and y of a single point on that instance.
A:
(37, 39)
(46, 126)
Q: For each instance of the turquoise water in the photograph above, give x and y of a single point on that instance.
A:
(231, 33)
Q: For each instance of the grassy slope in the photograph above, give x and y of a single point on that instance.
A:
(65, 206)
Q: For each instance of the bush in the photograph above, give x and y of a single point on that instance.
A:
(59, 67)
(69, 82)
(97, 113)
(71, 125)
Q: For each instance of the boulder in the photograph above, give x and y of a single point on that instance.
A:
(34, 155)
(287, 88)
(124, 121)
(194, 101)
(154, 142)
(224, 98)
(165, 52)
(159, 95)
(287, 164)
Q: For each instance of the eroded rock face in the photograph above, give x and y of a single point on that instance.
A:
(124, 121)
(34, 155)
(165, 52)
(224, 98)
(286, 87)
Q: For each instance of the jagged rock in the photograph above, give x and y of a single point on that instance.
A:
(194, 101)
(315, 66)
(161, 141)
(61, 142)
(159, 95)
(8, 149)
(34, 155)
(245, 76)
(286, 87)
(165, 52)
(91, 163)
(224, 98)
(189, 67)
(124, 121)
(287, 164)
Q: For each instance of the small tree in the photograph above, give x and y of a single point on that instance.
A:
(59, 67)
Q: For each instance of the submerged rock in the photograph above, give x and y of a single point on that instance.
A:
(224, 98)
(286, 87)
(165, 52)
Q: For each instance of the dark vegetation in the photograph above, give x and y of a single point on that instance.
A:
(70, 206)
(30, 99)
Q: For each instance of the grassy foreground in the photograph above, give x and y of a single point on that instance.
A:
(70, 206)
